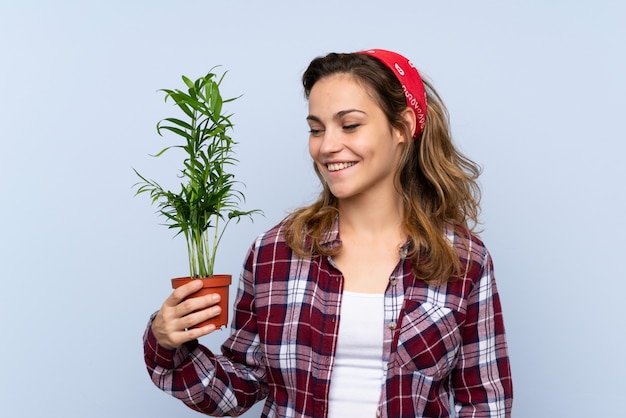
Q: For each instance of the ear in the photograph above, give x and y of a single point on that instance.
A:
(410, 120)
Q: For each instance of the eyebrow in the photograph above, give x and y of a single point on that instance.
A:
(337, 115)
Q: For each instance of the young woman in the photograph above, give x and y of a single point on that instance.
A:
(376, 300)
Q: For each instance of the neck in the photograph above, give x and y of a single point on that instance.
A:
(363, 217)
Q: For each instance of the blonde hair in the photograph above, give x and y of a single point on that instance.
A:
(438, 184)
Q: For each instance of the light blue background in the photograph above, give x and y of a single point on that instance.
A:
(536, 93)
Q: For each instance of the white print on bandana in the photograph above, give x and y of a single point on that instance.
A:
(399, 69)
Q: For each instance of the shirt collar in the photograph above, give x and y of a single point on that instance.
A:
(331, 238)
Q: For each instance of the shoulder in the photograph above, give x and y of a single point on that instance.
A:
(271, 245)
(465, 242)
(469, 247)
(273, 236)
(271, 259)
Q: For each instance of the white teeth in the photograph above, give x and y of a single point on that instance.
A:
(339, 166)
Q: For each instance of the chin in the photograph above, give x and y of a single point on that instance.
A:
(342, 194)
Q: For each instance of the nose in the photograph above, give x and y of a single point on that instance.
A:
(330, 141)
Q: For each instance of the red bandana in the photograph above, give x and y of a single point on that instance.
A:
(410, 79)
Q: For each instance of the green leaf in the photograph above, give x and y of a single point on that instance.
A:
(207, 199)
(181, 123)
(175, 130)
(188, 82)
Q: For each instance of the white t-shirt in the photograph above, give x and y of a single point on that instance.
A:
(357, 375)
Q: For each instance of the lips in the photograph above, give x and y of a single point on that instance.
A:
(339, 166)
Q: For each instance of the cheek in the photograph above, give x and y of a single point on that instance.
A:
(313, 148)
(319, 172)
(314, 152)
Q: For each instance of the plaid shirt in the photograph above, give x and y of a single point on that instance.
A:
(438, 341)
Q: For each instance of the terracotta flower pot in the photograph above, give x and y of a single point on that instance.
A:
(218, 283)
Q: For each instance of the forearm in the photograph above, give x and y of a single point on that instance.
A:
(207, 383)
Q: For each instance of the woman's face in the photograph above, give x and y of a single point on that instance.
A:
(351, 141)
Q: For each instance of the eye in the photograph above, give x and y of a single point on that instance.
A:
(351, 127)
(315, 132)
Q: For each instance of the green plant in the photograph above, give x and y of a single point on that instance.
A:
(207, 201)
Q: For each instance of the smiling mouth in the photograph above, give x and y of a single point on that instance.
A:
(339, 166)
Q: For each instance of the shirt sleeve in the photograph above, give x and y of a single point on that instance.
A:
(219, 385)
(481, 382)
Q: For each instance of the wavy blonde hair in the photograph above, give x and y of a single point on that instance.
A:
(438, 184)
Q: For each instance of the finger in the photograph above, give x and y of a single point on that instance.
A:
(199, 316)
(195, 333)
(196, 303)
(180, 293)
(181, 337)
(177, 331)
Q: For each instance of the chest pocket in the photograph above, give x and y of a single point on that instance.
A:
(428, 340)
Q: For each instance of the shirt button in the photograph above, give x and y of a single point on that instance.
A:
(393, 281)
(378, 412)
(392, 326)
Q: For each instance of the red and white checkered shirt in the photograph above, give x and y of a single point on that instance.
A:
(439, 341)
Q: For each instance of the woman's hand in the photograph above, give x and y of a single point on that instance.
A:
(172, 324)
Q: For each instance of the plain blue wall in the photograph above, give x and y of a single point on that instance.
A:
(536, 94)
